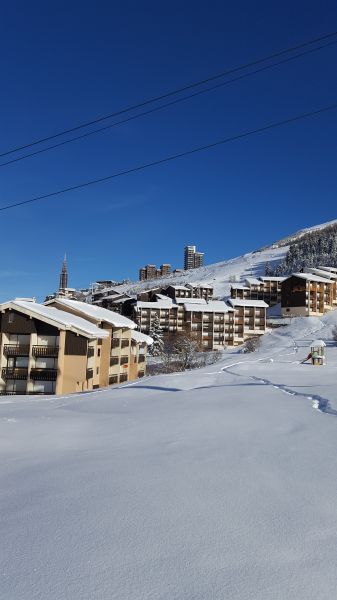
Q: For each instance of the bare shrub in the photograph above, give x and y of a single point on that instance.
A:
(252, 344)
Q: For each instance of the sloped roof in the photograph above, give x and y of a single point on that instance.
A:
(139, 337)
(96, 312)
(311, 277)
(213, 306)
(58, 318)
(239, 302)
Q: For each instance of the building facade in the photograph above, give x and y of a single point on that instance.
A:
(60, 348)
(192, 258)
(307, 294)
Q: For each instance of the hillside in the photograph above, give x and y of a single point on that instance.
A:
(217, 483)
(220, 275)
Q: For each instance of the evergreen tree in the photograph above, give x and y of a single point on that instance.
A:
(156, 333)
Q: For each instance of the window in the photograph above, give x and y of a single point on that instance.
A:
(97, 371)
(11, 317)
(99, 352)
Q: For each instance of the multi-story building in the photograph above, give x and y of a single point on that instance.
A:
(306, 294)
(249, 319)
(117, 349)
(192, 258)
(151, 271)
(65, 347)
(212, 323)
(262, 288)
(170, 315)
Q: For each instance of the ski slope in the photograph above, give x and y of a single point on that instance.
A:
(212, 484)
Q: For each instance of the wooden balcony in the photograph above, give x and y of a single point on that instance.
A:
(43, 374)
(16, 350)
(45, 351)
(16, 373)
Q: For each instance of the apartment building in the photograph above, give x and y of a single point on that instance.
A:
(47, 351)
(170, 315)
(212, 323)
(120, 348)
(262, 288)
(192, 258)
(249, 319)
(151, 271)
(139, 347)
(307, 294)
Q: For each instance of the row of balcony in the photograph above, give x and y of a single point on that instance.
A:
(21, 373)
(37, 351)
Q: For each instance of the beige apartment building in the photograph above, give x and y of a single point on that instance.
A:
(122, 348)
(307, 294)
(249, 319)
(54, 350)
(170, 315)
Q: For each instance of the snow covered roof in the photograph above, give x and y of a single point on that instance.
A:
(257, 303)
(332, 269)
(140, 338)
(216, 306)
(318, 344)
(191, 300)
(273, 278)
(205, 286)
(155, 305)
(58, 318)
(180, 287)
(96, 312)
(253, 281)
(312, 277)
(239, 286)
(322, 273)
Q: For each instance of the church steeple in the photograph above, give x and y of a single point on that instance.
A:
(64, 275)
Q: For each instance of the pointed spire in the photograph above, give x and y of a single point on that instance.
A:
(63, 275)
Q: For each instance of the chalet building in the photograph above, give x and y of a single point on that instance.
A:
(63, 348)
(262, 288)
(121, 346)
(212, 323)
(249, 319)
(307, 294)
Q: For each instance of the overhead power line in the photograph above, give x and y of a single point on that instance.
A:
(168, 104)
(172, 93)
(173, 157)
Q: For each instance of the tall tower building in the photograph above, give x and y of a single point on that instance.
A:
(192, 258)
(63, 276)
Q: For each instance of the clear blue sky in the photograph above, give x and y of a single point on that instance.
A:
(67, 62)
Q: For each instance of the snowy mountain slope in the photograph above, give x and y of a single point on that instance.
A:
(221, 274)
(218, 483)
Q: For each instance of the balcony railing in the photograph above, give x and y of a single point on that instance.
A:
(11, 393)
(114, 360)
(124, 360)
(16, 350)
(115, 343)
(125, 343)
(16, 373)
(45, 351)
(43, 374)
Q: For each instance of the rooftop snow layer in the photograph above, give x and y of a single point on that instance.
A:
(98, 313)
(215, 306)
(62, 319)
(155, 305)
(312, 277)
(239, 302)
(140, 338)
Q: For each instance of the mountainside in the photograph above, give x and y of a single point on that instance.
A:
(311, 246)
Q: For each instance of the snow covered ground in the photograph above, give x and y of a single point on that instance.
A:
(214, 484)
(218, 275)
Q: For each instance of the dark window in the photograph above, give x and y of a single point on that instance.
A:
(99, 352)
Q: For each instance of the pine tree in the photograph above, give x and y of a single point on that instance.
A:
(156, 333)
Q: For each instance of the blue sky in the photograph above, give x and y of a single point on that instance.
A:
(68, 62)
